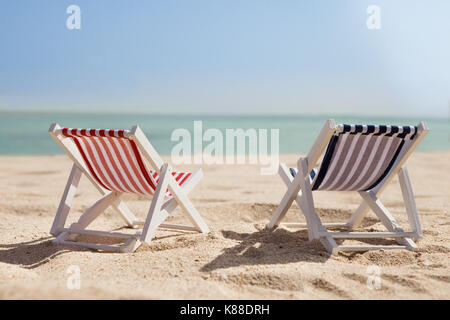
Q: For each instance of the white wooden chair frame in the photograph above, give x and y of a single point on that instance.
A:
(157, 214)
(300, 190)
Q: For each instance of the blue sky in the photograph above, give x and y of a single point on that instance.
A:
(203, 56)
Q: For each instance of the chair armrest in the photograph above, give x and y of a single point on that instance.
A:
(321, 142)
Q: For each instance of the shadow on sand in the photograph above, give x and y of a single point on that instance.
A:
(281, 246)
(265, 247)
(30, 254)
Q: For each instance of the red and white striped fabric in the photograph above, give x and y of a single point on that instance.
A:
(115, 161)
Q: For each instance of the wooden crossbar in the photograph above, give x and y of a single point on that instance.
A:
(177, 227)
(129, 246)
(367, 235)
(367, 248)
(304, 224)
(102, 233)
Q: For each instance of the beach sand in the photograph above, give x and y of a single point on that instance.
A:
(238, 259)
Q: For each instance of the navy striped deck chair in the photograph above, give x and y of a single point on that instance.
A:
(361, 158)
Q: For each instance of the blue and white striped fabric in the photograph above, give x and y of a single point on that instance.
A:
(312, 174)
(359, 157)
(378, 130)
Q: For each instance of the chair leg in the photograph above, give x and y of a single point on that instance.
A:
(94, 211)
(66, 200)
(410, 203)
(286, 202)
(187, 206)
(154, 216)
(307, 201)
(159, 211)
(386, 218)
(125, 213)
(68, 236)
(171, 204)
(313, 221)
(360, 213)
(287, 179)
(357, 217)
(408, 198)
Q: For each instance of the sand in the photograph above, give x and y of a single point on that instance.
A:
(238, 259)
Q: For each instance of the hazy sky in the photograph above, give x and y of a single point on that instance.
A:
(227, 56)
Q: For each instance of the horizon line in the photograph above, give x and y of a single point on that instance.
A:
(211, 114)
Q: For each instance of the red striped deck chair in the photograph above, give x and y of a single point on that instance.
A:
(118, 162)
(361, 158)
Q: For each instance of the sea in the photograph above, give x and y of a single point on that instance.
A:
(26, 133)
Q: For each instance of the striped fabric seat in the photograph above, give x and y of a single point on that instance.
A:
(359, 157)
(115, 161)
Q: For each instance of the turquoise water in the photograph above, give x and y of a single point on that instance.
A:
(26, 133)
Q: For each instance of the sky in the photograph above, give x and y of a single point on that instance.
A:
(227, 57)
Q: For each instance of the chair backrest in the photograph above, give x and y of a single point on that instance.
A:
(113, 159)
(359, 157)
